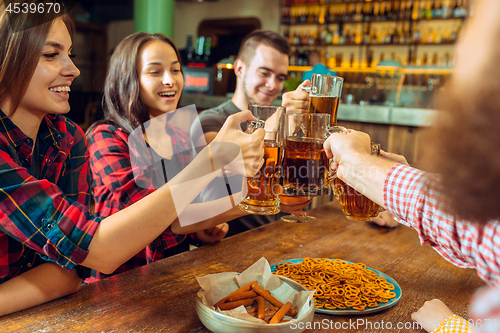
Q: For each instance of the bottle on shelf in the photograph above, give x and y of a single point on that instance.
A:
(446, 60)
(381, 57)
(189, 49)
(367, 37)
(438, 10)
(388, 37)
(382, 13)
(329, 37)
(370, 12)
(323, 16)
(453, 34)
(369, 58)
(207, 50)
(388, 10)
(200, 44)
(446, 9)
(372, 36)
(336, 36)
(435, 59)
(423, 60)
(358, 16)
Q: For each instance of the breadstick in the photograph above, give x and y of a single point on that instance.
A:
(242, 295)
(235, 304)
(267, 308)
(278, 316)
(270, 298)
(246, 287)
(261, 304)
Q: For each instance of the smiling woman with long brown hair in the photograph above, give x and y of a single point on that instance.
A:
(144, 84)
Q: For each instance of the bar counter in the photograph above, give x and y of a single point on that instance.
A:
(389, 115)
(161, 297)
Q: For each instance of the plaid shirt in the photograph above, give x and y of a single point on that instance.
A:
(47, 213)
(115, 186)
(415, 199)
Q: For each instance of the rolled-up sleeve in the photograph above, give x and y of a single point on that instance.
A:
(416, 199)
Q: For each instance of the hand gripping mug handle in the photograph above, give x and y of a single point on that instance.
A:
(309, 90)
(255, 124)
(329, 131)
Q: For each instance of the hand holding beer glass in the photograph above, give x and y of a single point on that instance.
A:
(306, 170)
(263, 189)
(356, 206)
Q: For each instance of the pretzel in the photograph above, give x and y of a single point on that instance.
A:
(339, 284)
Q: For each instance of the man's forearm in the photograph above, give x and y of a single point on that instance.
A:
(366, 173)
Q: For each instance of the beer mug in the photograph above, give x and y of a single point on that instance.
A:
(306, 169)
(324, 95)
(263, 189)
(356, 206)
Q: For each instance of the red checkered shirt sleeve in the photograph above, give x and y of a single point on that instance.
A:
(416, 200)
(116, 186)
(53, 220)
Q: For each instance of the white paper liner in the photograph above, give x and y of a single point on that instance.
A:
(217, 286)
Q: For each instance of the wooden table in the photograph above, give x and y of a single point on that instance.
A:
(160, 297)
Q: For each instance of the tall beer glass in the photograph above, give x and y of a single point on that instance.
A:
(306, 169)
(263, 189)
(324, 95)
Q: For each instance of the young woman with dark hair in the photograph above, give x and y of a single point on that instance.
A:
(48, 237)
(144, 84)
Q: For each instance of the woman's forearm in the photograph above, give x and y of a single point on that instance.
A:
(39, 285)
(222, 211)
(124, 234)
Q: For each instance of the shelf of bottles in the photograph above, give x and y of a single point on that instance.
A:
(399, 26)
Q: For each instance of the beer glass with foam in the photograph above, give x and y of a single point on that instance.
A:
(306, 170)
(263, 189)
(324, 95)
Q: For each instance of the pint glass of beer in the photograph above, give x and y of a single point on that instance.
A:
(306, 169)
(263, 189)
(356, 206)
(305, 165)
(324, 95)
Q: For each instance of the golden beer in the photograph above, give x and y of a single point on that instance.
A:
(263, 189)
(262, 197)
(355, 205)
(305, 167)
(325, 104)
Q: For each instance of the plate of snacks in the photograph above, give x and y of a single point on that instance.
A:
(342, 287)
(253, 301)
